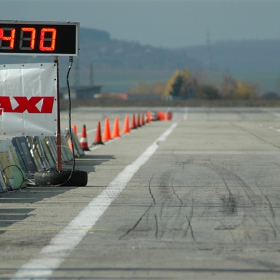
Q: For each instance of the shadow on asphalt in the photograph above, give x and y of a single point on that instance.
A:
(33, 194)
(27, 197)
(87, 162)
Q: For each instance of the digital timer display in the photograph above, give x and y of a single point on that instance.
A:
(39, 38)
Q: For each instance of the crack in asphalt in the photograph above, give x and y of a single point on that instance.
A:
(250, 132)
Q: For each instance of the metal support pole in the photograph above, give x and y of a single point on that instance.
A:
(58, 134)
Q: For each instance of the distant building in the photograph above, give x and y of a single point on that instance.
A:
(80, 92)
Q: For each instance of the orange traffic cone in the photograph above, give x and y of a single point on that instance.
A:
(98, 138)
(75, 129)
(143, 119)
(83, 141)
(71, 150)
(107, 131)
(126, 128)
(169, 115)
(160, 116)
(149, 119)
(70, 146)
(139, 120)
(133, 125)
(116, 132)
(136, 122)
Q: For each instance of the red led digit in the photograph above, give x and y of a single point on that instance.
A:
(30, 38)
(51, 41)
(10, 38)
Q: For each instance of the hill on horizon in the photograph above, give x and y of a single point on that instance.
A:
(244, 55)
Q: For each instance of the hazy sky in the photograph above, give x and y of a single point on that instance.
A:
(165, 23)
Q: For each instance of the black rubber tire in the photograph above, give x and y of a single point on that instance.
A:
(60, 178)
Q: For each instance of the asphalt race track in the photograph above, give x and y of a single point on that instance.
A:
(196, 197)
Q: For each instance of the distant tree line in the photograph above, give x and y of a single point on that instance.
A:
(187, 84)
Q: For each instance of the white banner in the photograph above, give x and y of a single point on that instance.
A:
(28, 104)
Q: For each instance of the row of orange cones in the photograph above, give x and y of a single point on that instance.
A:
(98, 140)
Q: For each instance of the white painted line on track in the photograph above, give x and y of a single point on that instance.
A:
(53, 255)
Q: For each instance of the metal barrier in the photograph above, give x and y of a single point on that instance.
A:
(22, 156)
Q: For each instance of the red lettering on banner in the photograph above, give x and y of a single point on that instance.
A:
(47, 106)
(5, 104)
(25, 104)
(28, 105)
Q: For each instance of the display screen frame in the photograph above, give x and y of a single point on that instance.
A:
(61, 38)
